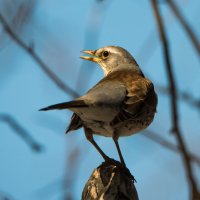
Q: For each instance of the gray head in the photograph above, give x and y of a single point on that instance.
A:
(111, 58)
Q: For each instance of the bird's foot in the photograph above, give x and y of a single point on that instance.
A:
(121, 167)
(118, 167)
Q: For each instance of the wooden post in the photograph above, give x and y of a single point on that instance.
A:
(110, 181)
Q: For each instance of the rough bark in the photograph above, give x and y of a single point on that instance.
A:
(110, 181)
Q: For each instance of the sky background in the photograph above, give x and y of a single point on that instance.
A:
(58, 31)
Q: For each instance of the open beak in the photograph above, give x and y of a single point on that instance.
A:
(93, 57)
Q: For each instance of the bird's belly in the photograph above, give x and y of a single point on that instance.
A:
(126, 128)
(99, 119)
(100, 128)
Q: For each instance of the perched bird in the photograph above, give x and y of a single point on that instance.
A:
(121, 104)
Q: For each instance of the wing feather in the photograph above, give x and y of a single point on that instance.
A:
(139, 98)
(75, 123)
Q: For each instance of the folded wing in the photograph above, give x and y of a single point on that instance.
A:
(140, 98)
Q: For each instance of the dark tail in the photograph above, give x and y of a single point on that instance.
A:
(65, 105)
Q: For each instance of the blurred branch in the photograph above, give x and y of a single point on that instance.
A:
(166, 144)
(23, 13)
(19, 13)
(150, 44)
(71, 172)
(182, 95)
(5, 196)
(37, 59)
(147, 48)
(93, 30)
(21, 131)
(174, 111)
(185, 25)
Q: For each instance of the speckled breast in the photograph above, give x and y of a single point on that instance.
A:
(126, 128)
(132, 126)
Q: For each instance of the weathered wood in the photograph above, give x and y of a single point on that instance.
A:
(110, 181)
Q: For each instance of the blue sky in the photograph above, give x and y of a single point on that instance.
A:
(59, 30)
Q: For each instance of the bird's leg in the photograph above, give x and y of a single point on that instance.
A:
(115, 138)
(90, 138)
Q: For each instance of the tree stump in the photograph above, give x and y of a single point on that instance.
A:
(110, 181)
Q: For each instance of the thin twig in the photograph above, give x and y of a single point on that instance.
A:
(21, 131)
(157, 138)
(174, 110)
(37, 59)
(185, 25)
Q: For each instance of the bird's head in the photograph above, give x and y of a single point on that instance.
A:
(110, 58)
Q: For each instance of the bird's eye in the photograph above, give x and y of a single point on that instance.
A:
(105, 54)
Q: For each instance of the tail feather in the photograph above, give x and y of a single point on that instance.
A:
(65, 105)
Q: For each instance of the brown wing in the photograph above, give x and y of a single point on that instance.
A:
(140, 98)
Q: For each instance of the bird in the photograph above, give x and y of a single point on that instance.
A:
(121, 104)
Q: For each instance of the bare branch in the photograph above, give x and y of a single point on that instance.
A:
(37, 59)
(174, 110)
(185, 25)
(157, 138)
(21, 131)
